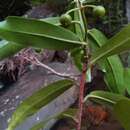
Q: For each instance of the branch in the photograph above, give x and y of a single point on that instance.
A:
(81, 96)
(35, 61)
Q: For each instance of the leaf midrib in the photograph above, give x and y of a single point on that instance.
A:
(95, 58)
(30, 106)
(46, 36)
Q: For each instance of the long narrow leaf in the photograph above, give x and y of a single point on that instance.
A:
(104, 97)
(117, 44)
(8, 49)
(127, 79)
(36, 33)
(112, 66)
(38, 100)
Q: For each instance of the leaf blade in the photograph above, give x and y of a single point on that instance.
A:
(115, 45)
(127, 79)
(36, 33)
(112, 66)
(39, 99)
(103, 96)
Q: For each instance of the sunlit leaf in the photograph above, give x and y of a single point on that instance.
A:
(117, 44)
(122, 112)
(38, 100)
(36, 33)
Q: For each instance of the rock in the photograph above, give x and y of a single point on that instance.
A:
(28, 84)
(50, 8)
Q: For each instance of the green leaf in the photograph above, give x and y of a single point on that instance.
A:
(114, 77)
(70, 113)
(122, 111)
(78, 31)
(77, 55)
(52, 20)
(117, 44)
(127, 79)
(36, 33)
(104, 97)
(38, 100)
(8, 49)
(112, 66)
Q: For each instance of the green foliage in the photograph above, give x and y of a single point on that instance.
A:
(120, 104)
(122, 111)
(77, 55)
(115, 45)
(8, 49)
(48, 34)
(104, 97)
(112, 66)
(127, 79)
(38, 34)
(38, 100)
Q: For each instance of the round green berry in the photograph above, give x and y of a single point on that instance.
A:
(65, 20)
(99, 11)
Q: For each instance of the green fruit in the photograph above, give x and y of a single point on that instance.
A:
(65, 20)
(99, 11)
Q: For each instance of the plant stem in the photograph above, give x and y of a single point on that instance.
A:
(81, 96)
(79, 24)
(83, 7)
(85, 64)
(35, 61)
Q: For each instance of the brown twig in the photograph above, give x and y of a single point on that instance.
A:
(81, 96)
(35, 61)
